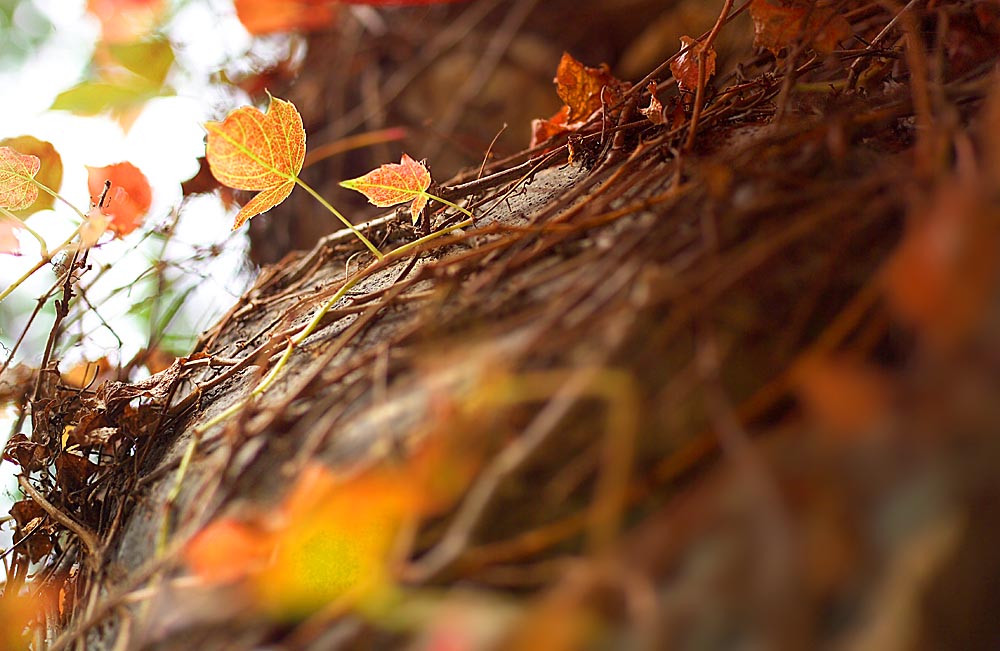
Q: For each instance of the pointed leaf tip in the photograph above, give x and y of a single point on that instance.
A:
(395, 183)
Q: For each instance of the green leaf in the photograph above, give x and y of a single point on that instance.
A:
(94, 97)
(150, 60)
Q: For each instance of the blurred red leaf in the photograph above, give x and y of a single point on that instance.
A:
(228, 550)
(128, 199)
(685, 67)
(333, 538)
(941, 276)
(123, 21)
(779, 23)
(842, 393)
(269, 16)
(395, 183)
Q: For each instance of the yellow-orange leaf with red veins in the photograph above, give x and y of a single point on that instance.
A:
(250, 150)
(51, 172)
(17, 190)
(581, 87)
(395, 183)
(779, 23)
(685, 67)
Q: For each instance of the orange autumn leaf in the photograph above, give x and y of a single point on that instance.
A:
(580, 87)
(124, 21)
(330, 541)
(228, 550)
(337, 543)
(395, 183)
(944, 271)
(250, 150)
(685, 67)
(17, 190)
(17, 612)
(560, 622)
(269, 16)
(127, 201)
(844, 394)
(584, 90)
(542, 130)
(779, 23)
(50, 173)
(334, 539)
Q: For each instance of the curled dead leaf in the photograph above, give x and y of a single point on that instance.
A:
(653, 112)
(585, 89)
(778, 24)
(685, 67)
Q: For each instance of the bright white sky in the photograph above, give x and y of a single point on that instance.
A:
(164, 142)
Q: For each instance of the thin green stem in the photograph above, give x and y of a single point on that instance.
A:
(447, 203)
(409, 246)
(58, 196)
(336, 213)
(326, 307)
(293, 342)
(38, 265)
(295, 179)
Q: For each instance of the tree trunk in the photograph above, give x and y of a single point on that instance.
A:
(705, 415)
